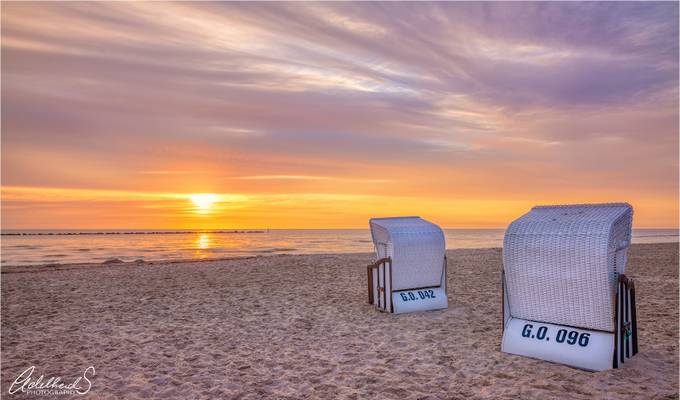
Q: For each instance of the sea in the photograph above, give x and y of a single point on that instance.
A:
(38, 247)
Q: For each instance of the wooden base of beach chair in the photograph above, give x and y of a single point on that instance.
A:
(381, 295)
(576, 347)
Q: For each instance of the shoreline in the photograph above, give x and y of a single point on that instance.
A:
(67, 249)
(12, 269)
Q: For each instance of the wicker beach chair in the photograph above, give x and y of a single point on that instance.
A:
(565, 296)
(410, 271)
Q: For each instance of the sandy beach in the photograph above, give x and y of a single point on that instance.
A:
(295, 327)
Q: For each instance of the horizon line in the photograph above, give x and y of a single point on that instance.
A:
(227, 230)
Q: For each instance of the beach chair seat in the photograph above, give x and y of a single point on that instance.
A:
(410, 269)
(565, 295)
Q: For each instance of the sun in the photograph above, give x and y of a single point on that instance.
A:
(203, 201)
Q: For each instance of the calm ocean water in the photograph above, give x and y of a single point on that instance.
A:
(61, 247)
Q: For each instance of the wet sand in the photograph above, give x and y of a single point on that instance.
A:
(295, 327)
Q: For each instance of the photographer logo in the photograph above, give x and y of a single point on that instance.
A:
(27, 383)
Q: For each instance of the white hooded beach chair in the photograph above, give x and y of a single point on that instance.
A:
(410, 271)
(565, 296)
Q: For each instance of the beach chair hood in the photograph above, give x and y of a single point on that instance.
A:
(562, 263)
(417, 249)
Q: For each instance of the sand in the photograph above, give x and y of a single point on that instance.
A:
(295, 327)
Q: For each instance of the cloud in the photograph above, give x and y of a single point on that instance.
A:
(308, 178)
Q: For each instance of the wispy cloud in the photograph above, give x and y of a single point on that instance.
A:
(169, 172)
(309, 178)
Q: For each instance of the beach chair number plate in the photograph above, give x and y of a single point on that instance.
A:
(566, 336)
(419, 300)
(419, 295)
(582, 348)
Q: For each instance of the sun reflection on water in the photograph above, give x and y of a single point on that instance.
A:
(203, 241)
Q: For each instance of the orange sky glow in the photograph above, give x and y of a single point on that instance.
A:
(322, 115)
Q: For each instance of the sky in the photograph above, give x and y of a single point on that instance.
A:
(322, 115)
